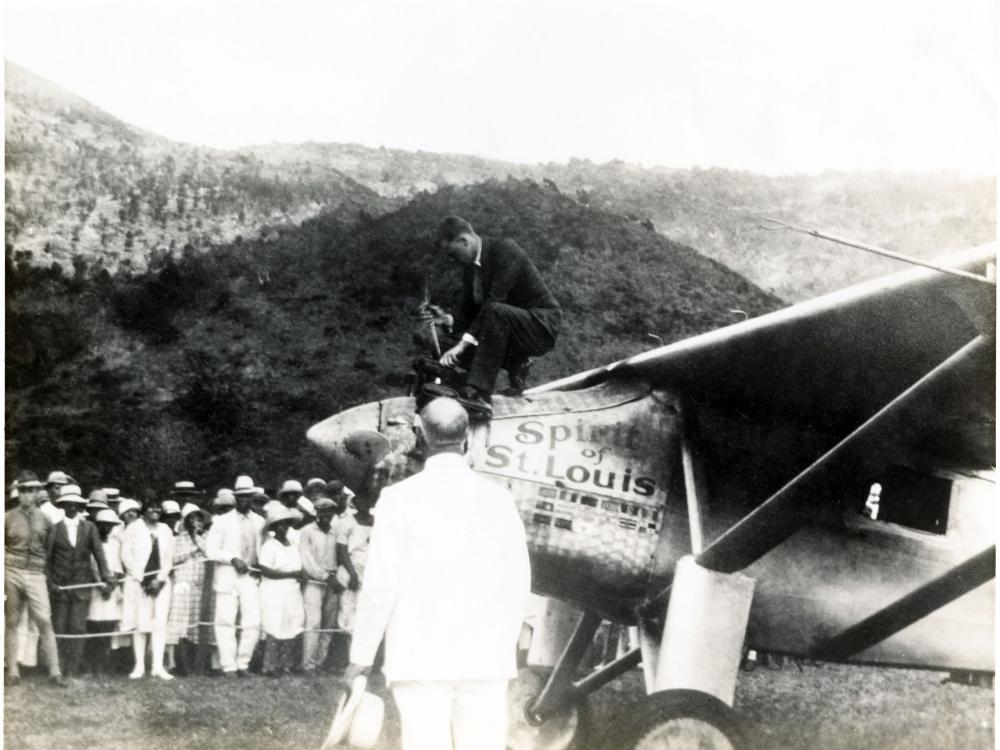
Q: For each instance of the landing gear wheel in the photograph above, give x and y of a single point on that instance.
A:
(563, 731)
(680, 720)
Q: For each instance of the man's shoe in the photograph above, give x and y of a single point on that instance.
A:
(477, 404)
(517, 377)
(57, 680)
(242, 673)
(162, 674)
(229, 675)
(137, 674)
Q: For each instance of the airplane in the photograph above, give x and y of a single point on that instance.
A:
(816, 482)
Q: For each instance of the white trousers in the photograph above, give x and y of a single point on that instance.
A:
(243, 599)
(461, 715)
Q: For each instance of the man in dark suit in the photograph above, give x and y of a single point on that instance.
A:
(73, 548)
(507, 313)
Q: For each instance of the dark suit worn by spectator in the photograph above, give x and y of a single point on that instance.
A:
(69, 564)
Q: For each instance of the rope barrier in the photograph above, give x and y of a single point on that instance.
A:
(192, 625)
(97, 584)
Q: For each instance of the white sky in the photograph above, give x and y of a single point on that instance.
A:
(772, 86)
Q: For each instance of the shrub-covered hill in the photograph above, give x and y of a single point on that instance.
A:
(83, 185)
(216, 363)
(718, 211)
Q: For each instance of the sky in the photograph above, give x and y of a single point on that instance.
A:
(771, 86)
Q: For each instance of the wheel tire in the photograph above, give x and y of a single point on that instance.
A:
(567, 730)
(680, 720)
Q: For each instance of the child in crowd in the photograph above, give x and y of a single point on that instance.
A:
(105, 608)
(282, 614)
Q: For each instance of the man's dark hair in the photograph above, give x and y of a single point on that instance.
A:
(452, 227)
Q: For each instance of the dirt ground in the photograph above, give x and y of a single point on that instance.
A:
(822, 707)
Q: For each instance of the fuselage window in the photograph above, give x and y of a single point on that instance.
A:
(910, 498)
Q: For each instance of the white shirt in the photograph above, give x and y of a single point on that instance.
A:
(72, 524)
(224, 542)
(447, 578)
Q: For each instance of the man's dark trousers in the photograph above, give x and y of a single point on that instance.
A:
(507, 336)
(69, 617)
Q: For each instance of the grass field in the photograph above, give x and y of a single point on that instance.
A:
(823, 707)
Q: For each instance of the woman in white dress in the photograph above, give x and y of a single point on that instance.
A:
(282, 614)
(147, 552)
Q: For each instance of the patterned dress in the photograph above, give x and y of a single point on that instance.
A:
(188, 579)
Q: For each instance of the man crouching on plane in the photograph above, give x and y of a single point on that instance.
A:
(507, 313)
(447, 583)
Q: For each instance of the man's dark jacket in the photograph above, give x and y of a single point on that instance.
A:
(67, 565)
(508, 276)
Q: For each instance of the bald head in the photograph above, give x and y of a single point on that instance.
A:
(445, 425)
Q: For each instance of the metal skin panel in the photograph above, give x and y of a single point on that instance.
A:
(592, 486)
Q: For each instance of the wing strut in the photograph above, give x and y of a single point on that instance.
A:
(905, 611)
(778, 518)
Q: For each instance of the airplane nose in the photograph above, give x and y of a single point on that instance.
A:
(358, 439)
(352, 442)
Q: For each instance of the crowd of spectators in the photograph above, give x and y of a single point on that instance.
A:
(232, 584)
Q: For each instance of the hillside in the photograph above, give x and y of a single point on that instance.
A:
(81, 184)
(216, 363)
(716, 210)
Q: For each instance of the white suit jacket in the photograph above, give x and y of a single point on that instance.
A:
(447, 578)
(223, 543)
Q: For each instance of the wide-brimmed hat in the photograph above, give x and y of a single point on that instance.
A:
(224, 497)
(243, 485)
(279, 514)
(306, 506)
(324, 503)
(70, 493)
(106, 515)
(316, 482)
(358, 718)
(126, 505)
(59, 478)
(112, 493)
(170, 508)
(289, 486)
(27, 480)
(184, 488)
(188, 508)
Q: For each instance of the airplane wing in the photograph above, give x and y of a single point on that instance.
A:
(832, 362)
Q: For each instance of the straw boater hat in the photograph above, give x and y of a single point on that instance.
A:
(70, 493)
(107, 516)
(184, 488)
(358, 718)
(277, 515)
(243, 485)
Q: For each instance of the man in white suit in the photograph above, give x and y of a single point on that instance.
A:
(233, 543)
(447, 582)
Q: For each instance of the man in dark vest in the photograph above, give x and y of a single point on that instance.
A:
(507, 314)
(74, 547)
